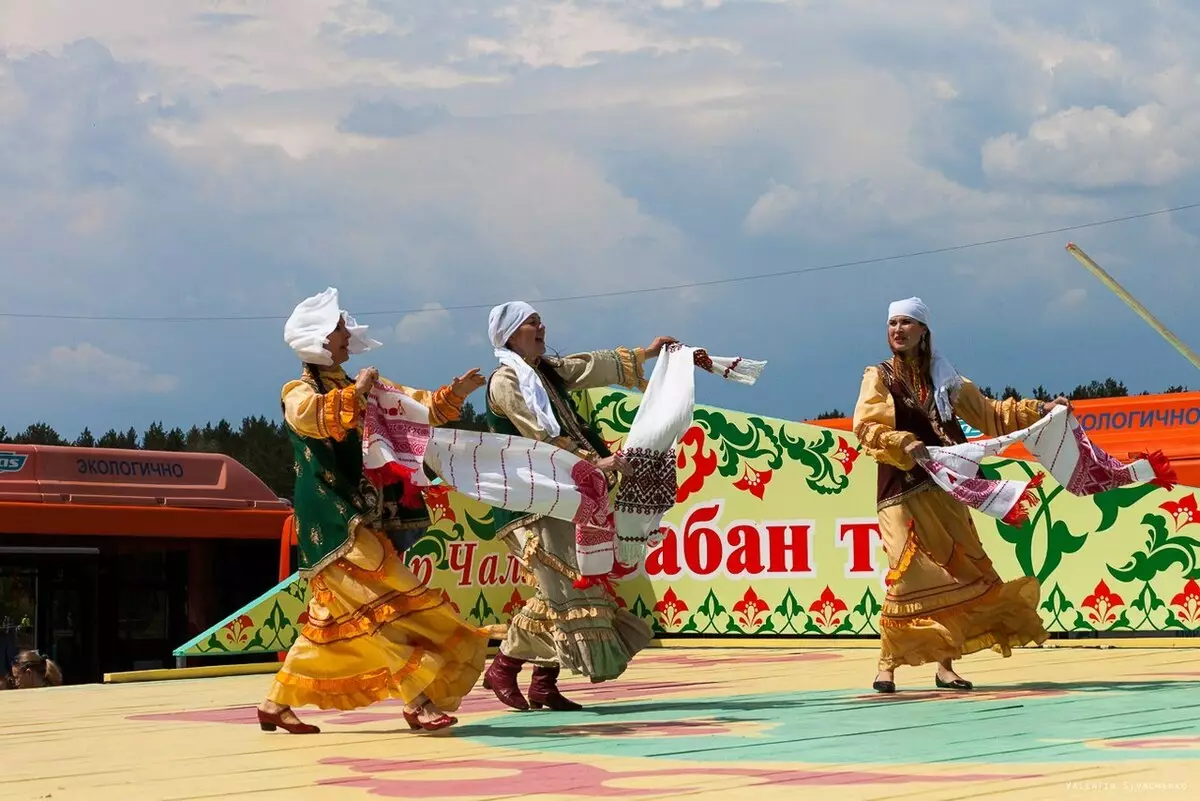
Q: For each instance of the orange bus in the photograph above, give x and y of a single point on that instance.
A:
(111, 558)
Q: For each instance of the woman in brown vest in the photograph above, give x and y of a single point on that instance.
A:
(944, 598)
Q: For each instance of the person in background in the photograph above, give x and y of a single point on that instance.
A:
(31, 670)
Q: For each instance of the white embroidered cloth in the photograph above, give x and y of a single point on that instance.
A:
(665, 413)
(1060, 445)
(521, 475)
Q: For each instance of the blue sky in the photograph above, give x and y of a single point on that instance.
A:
(229, 157)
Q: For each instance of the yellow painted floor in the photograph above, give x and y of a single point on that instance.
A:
(696, 724)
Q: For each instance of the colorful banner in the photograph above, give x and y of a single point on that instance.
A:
(775, 533)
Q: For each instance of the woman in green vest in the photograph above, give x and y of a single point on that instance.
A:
(373, 631)
(561, 626)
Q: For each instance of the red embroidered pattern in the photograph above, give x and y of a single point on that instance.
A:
(651, 484)
(1096, 471)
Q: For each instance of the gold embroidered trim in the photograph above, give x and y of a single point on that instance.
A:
(337, 553)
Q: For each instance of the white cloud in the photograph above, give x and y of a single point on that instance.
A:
(86, 367)
(228, 157)
(1099, 147)
(423, 326)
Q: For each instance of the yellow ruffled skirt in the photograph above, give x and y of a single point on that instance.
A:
(375, 632)
(944, 598)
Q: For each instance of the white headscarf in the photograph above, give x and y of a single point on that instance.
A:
(946, 380)
(313, 320)
(503, 322)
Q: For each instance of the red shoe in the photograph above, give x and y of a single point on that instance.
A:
(501, 678)
(543, 691)
(442, 721)
(270, 722)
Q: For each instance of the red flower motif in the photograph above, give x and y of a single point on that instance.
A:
(754, 482)
(704, 462)
(438, 500)
(238, 629)
(750, 611)
(620, 602)
(1188, 602)
(827, 609)
(670, 610)
(515, 602)
(446, 597)
(846, 455)
(1102, 604)
(1185, 512)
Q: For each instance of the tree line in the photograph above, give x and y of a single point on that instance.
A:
(262, 444)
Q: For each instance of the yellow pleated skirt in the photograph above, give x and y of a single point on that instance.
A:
(944, 598)
(375, 632)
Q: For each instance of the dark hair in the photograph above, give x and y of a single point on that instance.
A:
(43, 668)
(925, 355)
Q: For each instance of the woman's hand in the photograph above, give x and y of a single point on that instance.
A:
(613, 464)
(467, 383)
(1050, 406)
(658, 344)
(918, 451)
(365, 381)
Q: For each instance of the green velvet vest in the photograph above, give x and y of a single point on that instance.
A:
(332, 497)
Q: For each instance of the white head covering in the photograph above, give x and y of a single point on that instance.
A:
(503, 322)
(946, 380)
(313, 320)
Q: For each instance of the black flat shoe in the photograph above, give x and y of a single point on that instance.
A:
(957, 684)
(884, 687)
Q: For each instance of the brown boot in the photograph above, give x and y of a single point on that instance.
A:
(543, 691)
(501, 678)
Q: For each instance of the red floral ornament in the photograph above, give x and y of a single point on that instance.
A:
(1188, 603)
(238, 628)
(670, 610)
(827, 609)
(1102, 604)
(750, 611)
(704, 463)
(515, 602)
(754, 482)
(438, 500)
(846, 455)
(1184, 512)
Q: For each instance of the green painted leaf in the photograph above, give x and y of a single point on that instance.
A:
(483, 528)
(1060, 541)
(826, 476)
(1057, 604)
(1162, 550)
(757, 441)
(1112, 502)
(481, 612)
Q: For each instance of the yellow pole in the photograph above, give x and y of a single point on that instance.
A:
(1132, 302)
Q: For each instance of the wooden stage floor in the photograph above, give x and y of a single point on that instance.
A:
(1052, 723)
